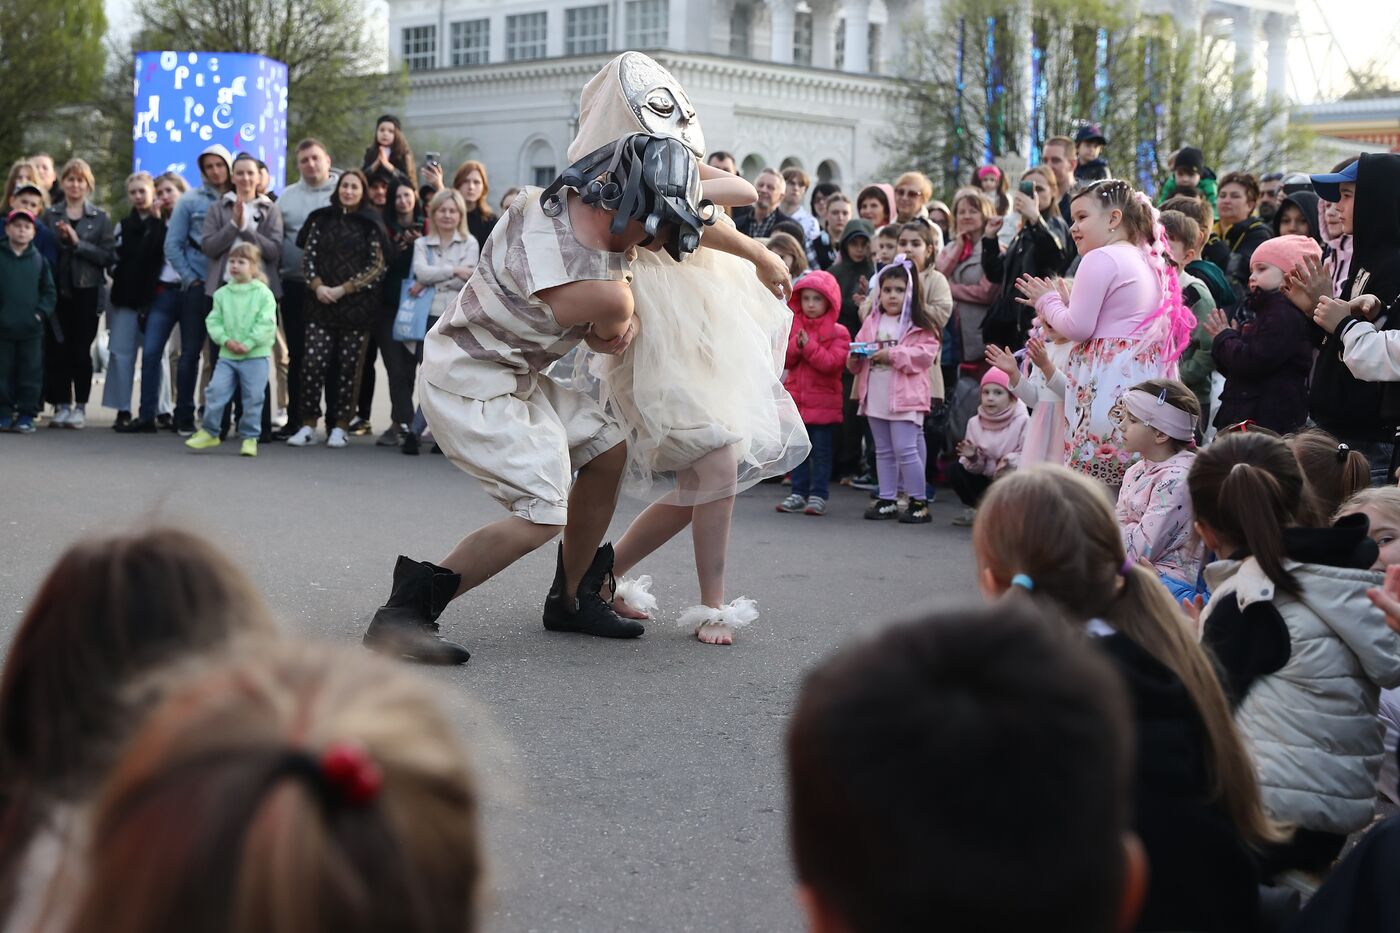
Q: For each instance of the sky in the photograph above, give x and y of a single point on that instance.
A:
(1348, 34)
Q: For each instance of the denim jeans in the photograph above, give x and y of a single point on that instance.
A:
(173, 306)
(125, 340)
(250, 376)
(812, 477)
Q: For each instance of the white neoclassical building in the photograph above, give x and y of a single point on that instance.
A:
(776, 82)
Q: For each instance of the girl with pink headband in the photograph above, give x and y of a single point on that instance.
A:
(1159, 421)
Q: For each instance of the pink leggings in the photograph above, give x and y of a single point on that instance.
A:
(898, 461)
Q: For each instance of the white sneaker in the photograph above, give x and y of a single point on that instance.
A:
(337, 438)
(279, 418)
(61, 414)
(303, 438)
(78, 418)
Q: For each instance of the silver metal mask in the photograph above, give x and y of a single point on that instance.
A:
(658, 101)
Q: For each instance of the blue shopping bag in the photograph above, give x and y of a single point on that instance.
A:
(411, 321)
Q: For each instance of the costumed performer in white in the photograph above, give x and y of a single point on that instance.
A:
(556, 270)
(699, 390)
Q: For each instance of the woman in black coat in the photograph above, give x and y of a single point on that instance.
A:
(1040, 248)
(343, 258)
(135, 278)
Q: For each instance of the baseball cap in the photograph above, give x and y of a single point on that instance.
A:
(28, 186)
(18, 215)
(1294, 182)
(1090, 133)
(1329, 187)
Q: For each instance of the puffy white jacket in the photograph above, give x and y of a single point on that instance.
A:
(1312, 723)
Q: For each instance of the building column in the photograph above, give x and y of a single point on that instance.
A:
(1023, 25)
(1246, 25)
(823, 35)
(676, 26)
(857, 36)
(783, 16)
(1278, 27)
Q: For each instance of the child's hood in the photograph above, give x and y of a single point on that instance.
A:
(1376, 224)
(1305, 201)
(824, 284)
(884, 191)
(1332, 565)
(856, 226)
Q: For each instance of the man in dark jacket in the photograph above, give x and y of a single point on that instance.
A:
(26, 299)
(758, 221)
(1363, 414)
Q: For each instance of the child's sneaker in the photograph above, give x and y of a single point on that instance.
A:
(7, 423)
(359, 427)
(816, 505)
(337, 438)
(304, 437)
(77, 419)
(916, 513)
(24, 424)
(966, 519)
(865, 481)
(202, 440)
(882, 510)
(61, 414)
(249, 448)
(793, 503)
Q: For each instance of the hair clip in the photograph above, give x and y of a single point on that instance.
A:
(1342, 452)
(347, 768)
(1162, 396)
(1023, 581)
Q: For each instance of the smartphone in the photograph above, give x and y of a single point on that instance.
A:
(434, 159)
(1028, 188)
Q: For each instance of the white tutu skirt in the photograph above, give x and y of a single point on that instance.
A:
(699, 392)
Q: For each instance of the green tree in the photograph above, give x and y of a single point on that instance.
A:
(335, 82)
(968, 81)
(51, 56)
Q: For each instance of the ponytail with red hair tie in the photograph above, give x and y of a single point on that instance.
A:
(343, 775)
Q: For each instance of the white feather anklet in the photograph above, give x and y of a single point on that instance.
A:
(636, 594)
(737, 614)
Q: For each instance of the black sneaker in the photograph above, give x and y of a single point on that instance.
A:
(410, 444)
(406, 626)
(139, 426)
(185, 427)
(882, 510)
(123, 419)
(165, 422)
(916, 513)
(590, 613)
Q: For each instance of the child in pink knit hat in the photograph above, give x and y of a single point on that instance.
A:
(1266, 361)
(992, 445)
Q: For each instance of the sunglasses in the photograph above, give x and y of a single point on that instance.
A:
(908, 192)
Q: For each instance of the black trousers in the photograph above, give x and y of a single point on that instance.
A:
(294, 294)
(324, 345)
(68, 365)
(970, 487)
(849, 459)
(401, 364)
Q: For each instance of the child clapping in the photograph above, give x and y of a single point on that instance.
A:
(244, 326)
(1160, 417)
(1266, 362)
(816, 356)
(992, 446)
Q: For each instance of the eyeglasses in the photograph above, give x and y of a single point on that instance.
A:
(908, 192)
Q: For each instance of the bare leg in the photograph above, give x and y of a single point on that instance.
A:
(592, 502)
(658, 523)
(487, 551)
(710, 533)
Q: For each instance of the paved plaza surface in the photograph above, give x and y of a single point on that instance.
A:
(630, 786)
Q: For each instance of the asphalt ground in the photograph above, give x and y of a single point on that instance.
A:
(630, 786)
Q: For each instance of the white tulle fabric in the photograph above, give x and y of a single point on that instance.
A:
(743, 611)
(636, 593)
(699, 392)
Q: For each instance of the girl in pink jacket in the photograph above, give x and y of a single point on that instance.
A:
(996, 435)
(891, 359)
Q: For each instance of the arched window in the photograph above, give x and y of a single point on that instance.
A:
(828, 170)
(538, 163)
(753, 164)
(790, 162)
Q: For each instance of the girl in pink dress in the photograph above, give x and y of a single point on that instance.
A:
(1124, 313)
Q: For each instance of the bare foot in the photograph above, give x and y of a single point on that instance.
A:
(715, 633)
(627, 612)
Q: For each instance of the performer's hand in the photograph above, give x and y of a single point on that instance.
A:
(772, 271)
(1330, 313)
(616, 345)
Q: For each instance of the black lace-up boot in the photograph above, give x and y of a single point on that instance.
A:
(590, 614)
(406, 626)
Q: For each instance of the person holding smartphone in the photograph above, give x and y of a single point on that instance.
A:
(1041, 247)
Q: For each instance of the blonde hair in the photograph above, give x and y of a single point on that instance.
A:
(449, 196)
(920, 179)
(232, 775)
(1058, 529)
(13, 182)
(977, 197)
(1043, 171)
(80, 168)
(1384, 499)
(142, 177)
(253, 254)
(175, 179)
